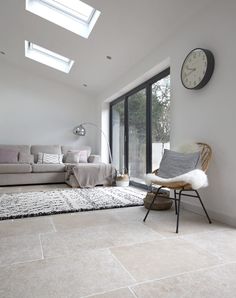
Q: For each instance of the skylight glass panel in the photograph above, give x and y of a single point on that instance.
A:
(75, 8)
(47, 57)
(73, 15)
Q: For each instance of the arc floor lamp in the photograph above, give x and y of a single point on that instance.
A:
(80, 130)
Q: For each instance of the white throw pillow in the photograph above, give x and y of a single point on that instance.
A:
(83, 156)
(50, 158)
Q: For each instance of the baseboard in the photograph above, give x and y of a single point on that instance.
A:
(213, 215)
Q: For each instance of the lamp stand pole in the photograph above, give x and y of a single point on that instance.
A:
(80, 130)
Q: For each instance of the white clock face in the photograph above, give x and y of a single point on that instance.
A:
(194, 68)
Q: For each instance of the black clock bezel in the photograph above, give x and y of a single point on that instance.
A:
(209, 70)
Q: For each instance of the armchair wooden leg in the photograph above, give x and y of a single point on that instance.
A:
(203, 207)
(152, 203)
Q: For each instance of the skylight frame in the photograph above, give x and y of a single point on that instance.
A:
(56, 12)
(67, 10)
(47, 57)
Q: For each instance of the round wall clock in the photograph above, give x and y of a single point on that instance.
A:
(197, 68)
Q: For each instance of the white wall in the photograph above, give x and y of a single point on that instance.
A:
(38, 111)
(208, 114)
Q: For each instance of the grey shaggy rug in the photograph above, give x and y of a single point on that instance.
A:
(17, 205)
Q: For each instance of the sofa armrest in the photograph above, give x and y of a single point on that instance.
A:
(94, 159)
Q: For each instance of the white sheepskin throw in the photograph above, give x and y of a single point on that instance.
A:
(196, 178)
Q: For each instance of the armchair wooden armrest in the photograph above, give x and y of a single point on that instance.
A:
(155, 172)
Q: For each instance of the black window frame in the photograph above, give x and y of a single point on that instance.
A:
(148, 86)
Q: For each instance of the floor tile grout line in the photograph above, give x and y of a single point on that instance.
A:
(21, 263)
(183, 273)
(151, 229)
(150, 241)
(132, 291)
(119, 262)
(105, 292)
(206, 232)
(206, 250)
(132, 244)
(53, 225)
(157, 279)
(41, 246)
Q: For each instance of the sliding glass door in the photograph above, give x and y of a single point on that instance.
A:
(160, 119)
(140, 127)
(137, 103)
(118, 135)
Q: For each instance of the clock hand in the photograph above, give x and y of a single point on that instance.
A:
(190, 72)
(189, 68)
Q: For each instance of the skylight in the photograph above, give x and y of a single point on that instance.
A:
(74, 15)
(47, 57)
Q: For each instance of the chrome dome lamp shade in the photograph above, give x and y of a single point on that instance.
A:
(79, 130)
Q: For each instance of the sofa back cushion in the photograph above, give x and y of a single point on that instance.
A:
(65, 149)
(18, 148)
(50, 149)
(8, 156)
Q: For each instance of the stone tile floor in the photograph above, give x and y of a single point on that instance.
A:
(113, 254)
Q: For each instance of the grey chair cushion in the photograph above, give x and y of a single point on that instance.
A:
(46, 168)
(51, 149)
(175, 163)
(15, 168)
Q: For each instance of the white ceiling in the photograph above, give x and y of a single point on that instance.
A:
(127, 30)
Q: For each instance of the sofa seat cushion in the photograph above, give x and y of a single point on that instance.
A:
(15, 168)
(46, 168)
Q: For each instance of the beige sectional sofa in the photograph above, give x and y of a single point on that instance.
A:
(33, 173)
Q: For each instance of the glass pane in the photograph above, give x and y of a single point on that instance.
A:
(75, 8)
(160, 119)
(137, 135)
(118, 112)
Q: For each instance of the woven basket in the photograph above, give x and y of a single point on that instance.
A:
(160, 203)
(122, 180)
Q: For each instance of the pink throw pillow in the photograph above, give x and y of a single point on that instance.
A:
(8, 156)
(83, 156)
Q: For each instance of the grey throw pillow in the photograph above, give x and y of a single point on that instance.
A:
(8, 156)
(72, 157)
(175, 163)
(26, 158)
